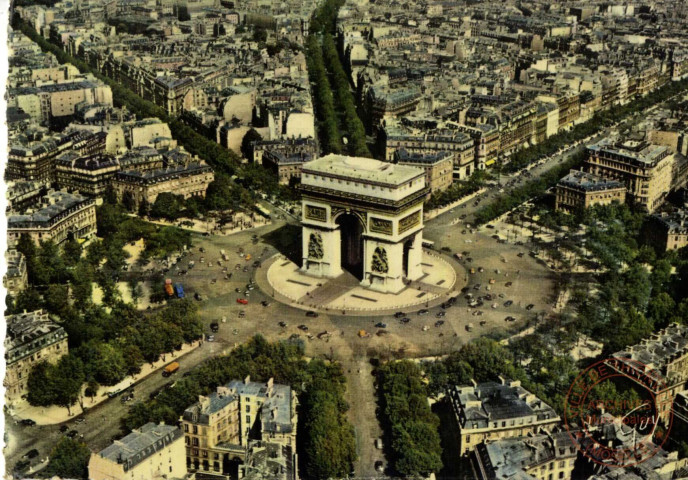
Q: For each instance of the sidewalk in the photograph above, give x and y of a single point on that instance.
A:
(53, 415)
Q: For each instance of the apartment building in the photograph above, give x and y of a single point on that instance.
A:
(51, 100)
(284, 167)
(493, 411)
(187, 180)
(220, 426)
(581, 190)
(16, 279)
(89, 175)
(32, 337)
(546, 456)
(60, 215)
(668, 231)
(460, 145)
(152, 452)
(438, 167)
(645, 169)
(658, 363)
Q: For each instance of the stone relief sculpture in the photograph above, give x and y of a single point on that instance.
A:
(380, 263)
(315, 246)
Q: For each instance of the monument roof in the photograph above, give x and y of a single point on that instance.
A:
(359, 168)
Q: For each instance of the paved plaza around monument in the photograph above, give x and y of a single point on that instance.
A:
(441, 279)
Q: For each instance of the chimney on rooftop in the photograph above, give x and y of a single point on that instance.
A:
(247, 380)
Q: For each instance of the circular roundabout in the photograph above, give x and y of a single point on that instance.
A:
(287, 283)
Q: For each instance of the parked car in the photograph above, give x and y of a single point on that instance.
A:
(210, 338)
(215, 327)
(423, 311)
(303, 328)
(27, 422)
(405, 320)
(440, 314)
(508, 303)
(530, 306)
(265, 303)
(282, 324)
(72, 434)
(399, 315)
(311, 314)
(380, 325)
(242, 301)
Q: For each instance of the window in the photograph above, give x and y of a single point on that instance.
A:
(195, 429)
(248, 419)
(195, 442)
(248, 408)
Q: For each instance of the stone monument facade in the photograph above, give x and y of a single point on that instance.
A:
(363, 216)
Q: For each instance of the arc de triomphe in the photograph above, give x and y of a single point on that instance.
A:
(363, 216)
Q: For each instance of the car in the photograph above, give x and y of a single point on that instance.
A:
(214, 327)
(311, 314)
(465, 289)
(242, 314)
(210, 338)
(508, 303)
(294, 336)
(245, 269)
(237, 290)
(256, 264)
(197, 296)
(379, 466)
(64, 428)
(242, 301)
(282, 324)
(201, 249)
(508, 284)
(439, 323)
(72, 434)
(28, 422)
(265, 303)
(481, 269)
(490, 226)
(380, 325)
(21, 465)
(303, 328)
(477, 286)
(440, 314)
(250, 286)
(424, 311)
(509, 319)
(399, 315)
(405, 320)
(530, 306)
(33, 453)
(378, 444)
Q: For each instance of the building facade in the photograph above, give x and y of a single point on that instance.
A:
(493, 411)
(581, 190)
(190, 180)
(32, 338)
(438, 168)
(220, 427)
(60, 215)
(645, 169)
(16, 279)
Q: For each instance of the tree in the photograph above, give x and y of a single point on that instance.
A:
(92, 389)
(109, 366)
(129, 201)
(69, 459)
(71, 251)
(110, 195)
(167, 205)
(247, 143)
(144, 208)
(67, 380)
(40, 386)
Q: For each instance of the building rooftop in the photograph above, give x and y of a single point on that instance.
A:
(29, 332)
(53, 205)
(652, 355)
(140, 444)
(588, 182)
(491, 402)
(359, 168)
(402, 156)
(511, 457)
(633, 150)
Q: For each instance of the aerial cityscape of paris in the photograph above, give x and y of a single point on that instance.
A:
(345, 239)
